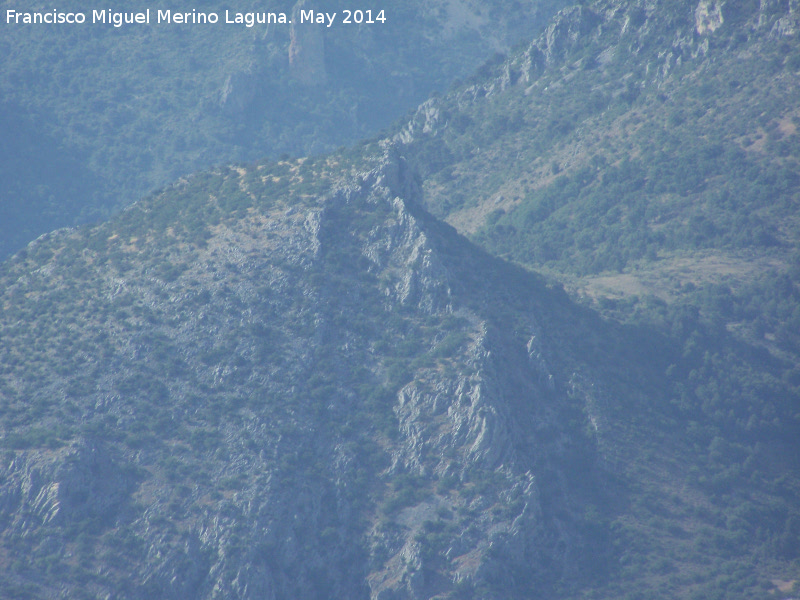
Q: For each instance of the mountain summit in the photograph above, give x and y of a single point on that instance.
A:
(232, 392)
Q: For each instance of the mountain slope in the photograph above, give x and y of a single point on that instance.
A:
(648, 139)
(284, 381)
(320, 393)
(646, 156)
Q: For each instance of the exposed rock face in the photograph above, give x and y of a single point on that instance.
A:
(424, 122)
(565, 30)
(787, 22)
(68, 486)
(708, 17)
(255, 464)
(307, 48)
(239, 91)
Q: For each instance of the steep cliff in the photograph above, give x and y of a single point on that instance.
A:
(306, 49)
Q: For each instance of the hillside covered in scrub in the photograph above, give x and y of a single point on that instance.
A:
(539, 339)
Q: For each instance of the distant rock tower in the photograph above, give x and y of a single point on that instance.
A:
(306, 49)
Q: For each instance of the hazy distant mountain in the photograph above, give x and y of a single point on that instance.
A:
(131, 108)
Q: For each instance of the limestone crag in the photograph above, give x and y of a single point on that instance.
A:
(306, 49)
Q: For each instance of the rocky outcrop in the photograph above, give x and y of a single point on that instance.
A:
(565, 30)
(306, 49)
(63, 487)
(782, 18)
(239, 91)
(708, 17)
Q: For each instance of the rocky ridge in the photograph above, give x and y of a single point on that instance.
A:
(652, 41)
(316, 400)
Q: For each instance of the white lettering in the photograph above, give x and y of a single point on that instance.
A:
(319, 18)
(250, 19)
(46, 18)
